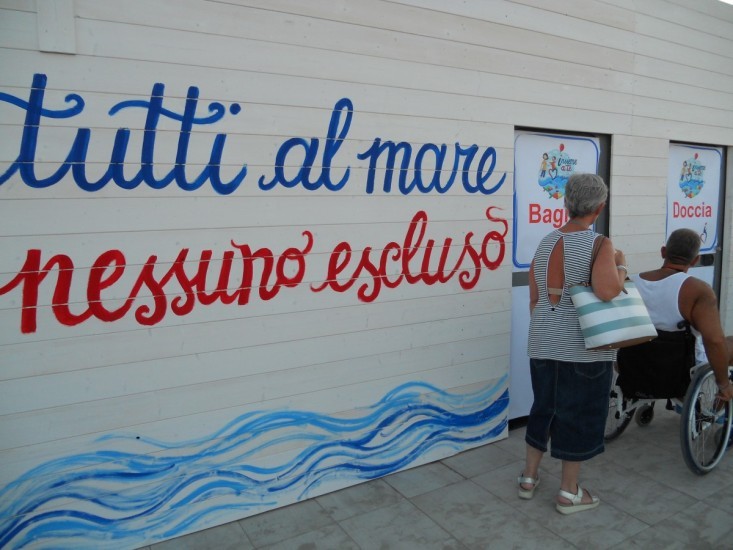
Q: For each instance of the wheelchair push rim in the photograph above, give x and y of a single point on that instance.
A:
(705, 424)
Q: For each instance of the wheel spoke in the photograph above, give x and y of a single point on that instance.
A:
(706, 424)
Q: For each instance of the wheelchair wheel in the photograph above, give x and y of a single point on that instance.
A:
(644, 415)
(618, 417)
(705, 424)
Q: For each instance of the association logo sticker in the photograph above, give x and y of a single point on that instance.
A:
(556, 166)
(691, 176)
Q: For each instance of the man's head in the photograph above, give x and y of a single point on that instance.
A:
(683, 247)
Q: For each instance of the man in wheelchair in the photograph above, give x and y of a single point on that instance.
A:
(681, 307)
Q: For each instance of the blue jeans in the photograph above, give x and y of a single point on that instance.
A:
(570, 407)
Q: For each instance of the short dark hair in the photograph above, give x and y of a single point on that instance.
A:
(683, 246)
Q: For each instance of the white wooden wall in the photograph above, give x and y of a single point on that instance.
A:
(102, 416)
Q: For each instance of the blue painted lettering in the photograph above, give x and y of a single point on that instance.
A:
(431, 169)
(75, 161)
(482, 173)
(310, 148)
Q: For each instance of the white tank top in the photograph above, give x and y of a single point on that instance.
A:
(662, 299)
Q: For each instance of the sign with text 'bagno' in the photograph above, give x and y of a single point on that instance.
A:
(543, 164)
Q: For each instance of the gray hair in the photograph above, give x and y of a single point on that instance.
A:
(683, 246)
(584, 193)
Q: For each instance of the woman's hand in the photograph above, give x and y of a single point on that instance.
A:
(619, 257)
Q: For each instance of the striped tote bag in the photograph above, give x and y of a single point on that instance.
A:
(618, 323)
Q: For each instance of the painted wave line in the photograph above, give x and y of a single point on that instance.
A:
(120, 499)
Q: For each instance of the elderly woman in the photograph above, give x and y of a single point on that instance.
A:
(571, 384)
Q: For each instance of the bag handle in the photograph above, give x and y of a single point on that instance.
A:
(596, 247)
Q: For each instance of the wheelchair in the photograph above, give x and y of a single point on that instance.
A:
(665, 368)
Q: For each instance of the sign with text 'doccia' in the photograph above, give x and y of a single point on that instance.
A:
(693, 191)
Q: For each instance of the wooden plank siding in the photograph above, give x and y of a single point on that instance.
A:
(305, 368)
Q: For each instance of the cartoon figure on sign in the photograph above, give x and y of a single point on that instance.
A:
(556, 167)
(691, 177)
(543, 166)
(704, 234)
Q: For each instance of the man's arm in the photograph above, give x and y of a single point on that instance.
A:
(699, 306)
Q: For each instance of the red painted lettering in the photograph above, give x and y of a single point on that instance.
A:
(551, 216)
(177, 288)
(97, 282)
(534, 213)
(108, 268)
(412, 249)
(691, 211)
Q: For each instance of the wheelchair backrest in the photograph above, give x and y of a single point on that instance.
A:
(659, 368)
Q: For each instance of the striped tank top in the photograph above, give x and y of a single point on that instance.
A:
(554, 331)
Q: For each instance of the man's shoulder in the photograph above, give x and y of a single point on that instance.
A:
(697, 284)
(694, 289)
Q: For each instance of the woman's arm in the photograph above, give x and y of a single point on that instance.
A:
(608, 280)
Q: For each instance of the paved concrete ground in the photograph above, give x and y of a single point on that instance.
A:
(649, 499)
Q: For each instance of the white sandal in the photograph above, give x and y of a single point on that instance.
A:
(576, 502)
(527, 494)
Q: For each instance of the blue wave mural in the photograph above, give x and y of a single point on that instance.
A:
(115, 499)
